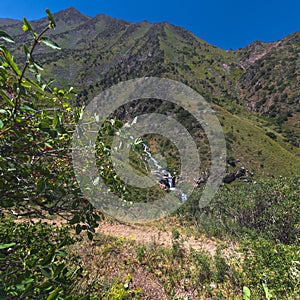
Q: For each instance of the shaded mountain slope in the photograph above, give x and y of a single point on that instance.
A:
(254, 90)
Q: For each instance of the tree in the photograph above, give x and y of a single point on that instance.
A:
(36, 178)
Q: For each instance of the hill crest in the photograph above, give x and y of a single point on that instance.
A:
(258, 84)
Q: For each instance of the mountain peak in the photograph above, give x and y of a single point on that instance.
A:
(260, 79)
(71, 13)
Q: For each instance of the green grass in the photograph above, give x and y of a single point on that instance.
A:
(256, 150)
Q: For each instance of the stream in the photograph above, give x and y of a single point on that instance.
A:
(163, 175)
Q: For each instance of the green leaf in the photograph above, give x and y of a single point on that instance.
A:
(50, 18)
(32, 68)
(1, 124)
(75, 204)
(38, 77)
(6, 37)
(267, 293)
(35, 68)
(38, 67)
(36, 85)
(26, 25)
(46, 272)
(58, 269)
(75, 219)
(9, 59)
(4, 96)
(27, 52)
(47, 259)
(97, 217)
(62, 253)
(55, 121)
(27, 280)
(54, 294)
(20, 287)
(78, 229)
(247, 293)
(49, 43)
(90, 235)
(27, 108)
(5, 246)
(40, 185)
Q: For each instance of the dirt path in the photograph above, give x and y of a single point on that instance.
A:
(150, 234)
(143, 234)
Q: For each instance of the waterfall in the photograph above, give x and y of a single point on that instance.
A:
(163, 174)
(146, 149)
(170, 181)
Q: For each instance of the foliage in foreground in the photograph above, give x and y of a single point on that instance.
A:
(274, 265)
(34, 135)
(264, 269)
(36, 262)
(262, 217)
(37, 180)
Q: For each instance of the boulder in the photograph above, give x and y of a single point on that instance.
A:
(230, 177)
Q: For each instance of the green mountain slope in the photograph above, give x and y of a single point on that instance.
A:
(271, 85)
(254, 90)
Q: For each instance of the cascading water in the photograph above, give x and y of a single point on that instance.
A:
(170, 182)
(162, 173)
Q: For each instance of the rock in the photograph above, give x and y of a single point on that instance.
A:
(200, 180)
(232, 161)
(241, 172)
(203, 178)
(164, 177)
(248, 180)
(230, 177)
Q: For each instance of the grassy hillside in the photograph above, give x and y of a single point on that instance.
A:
(254, 90)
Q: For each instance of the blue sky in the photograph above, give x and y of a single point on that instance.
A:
(227, 24)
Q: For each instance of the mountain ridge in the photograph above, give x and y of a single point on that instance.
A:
(258, 82)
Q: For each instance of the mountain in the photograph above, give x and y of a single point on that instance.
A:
(270, 83)
(254, 90)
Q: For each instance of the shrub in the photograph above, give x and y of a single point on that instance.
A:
(275, 266)
(36, 127)
(36, 261)
(267, 208)
(271, 135)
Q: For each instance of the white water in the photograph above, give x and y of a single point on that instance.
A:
(162, 170)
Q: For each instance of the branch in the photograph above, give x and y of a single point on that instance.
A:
(36, 41)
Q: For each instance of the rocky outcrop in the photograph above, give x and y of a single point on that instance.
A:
(229, 177)
(242, 174)
(164, 177)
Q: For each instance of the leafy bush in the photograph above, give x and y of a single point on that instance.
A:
(36, 261)
(275, 266)
(37, 180)
(268, 208)
(36, 128)
(35, 134)
(123, 291)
